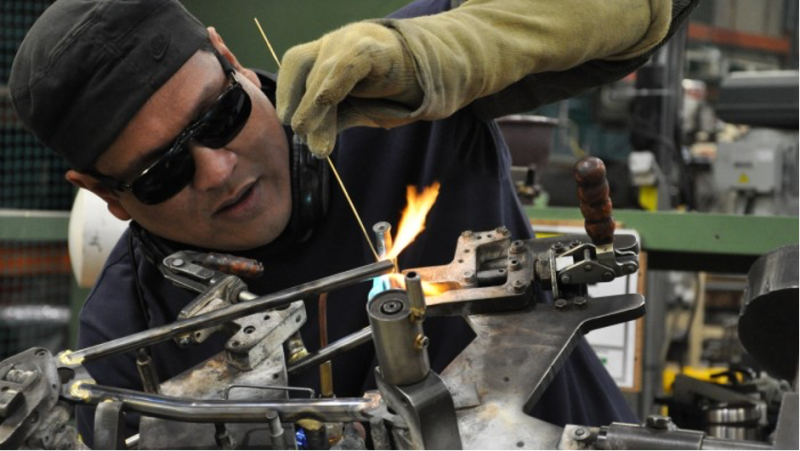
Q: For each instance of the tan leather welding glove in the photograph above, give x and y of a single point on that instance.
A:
(390, 72)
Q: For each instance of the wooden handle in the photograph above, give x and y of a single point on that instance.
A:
(590, 173)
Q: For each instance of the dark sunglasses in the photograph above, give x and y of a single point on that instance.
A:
(215, 128)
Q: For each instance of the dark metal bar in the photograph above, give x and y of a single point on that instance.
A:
(338, 347)
(221, 411)
(271, 301)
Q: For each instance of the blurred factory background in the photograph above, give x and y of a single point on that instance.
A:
(701, 147)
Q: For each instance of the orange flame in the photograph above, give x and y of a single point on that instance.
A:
(412, 222)
(428, 288)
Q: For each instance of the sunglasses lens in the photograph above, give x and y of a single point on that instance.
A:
(166, 178)
(226, 119)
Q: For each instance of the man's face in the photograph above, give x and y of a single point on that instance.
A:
(240, 195)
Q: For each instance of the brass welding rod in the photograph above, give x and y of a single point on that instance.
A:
(330, 162)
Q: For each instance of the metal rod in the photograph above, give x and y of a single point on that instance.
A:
(338, 347)
(220, 411)
(383, 237)
(260, 304)
(415, 294)
(276, 431)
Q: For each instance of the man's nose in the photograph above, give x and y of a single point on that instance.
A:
(213, 167)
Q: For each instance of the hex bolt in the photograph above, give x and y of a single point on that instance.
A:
(391, 307)
(502, 230)
(558, 247)
(518, 286)
(467, 234)
(468, 276)
(580, 302)
(608, 276)
(178, 262)
(566, 279)
(517, 247)
(574, 243)
(421, 342)
(560, 304)
(658, 422)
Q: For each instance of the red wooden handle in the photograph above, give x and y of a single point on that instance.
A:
(590, 173)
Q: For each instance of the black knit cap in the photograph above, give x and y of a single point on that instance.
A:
(87, 66)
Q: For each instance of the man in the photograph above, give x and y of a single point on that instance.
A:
(157, 117)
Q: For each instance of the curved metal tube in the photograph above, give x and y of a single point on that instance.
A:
(221, 411)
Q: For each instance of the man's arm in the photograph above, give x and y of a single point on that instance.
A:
(390, 72)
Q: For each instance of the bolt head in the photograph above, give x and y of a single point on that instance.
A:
(517, 247)
(178, 262)
(391, 306)
(560, 304)
(421, 342)
(580, 434)
(468, 276)
(587, 267)
(518, 286)
(466, 234)
(502, 230)
(658, 422)
(566, 279)
(580, 302)
(608, 277)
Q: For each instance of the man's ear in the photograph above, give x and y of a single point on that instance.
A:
(219, 44)
(90, 183)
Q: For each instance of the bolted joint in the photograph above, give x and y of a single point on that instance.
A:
(580, 302)
(561, 304)
(469, 276)
(421, 342)
(658, 422)
(518, 286)
(517, 247)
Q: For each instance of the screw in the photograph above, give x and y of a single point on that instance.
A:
(658, 422)
(421, 342)
(391, 306)
(502, 230)
(467, 234)
(608, 276)
(560, 304)
(566, 279)
(580, 302)
(558, 247)
(518, 286)
(178, 262)
(587, 267)
(574, 243)
(468, 276)
(580, 434)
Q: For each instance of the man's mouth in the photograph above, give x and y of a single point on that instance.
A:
(240, 199)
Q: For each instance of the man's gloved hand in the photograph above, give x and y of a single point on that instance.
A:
(390, 72)
(364, 61)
